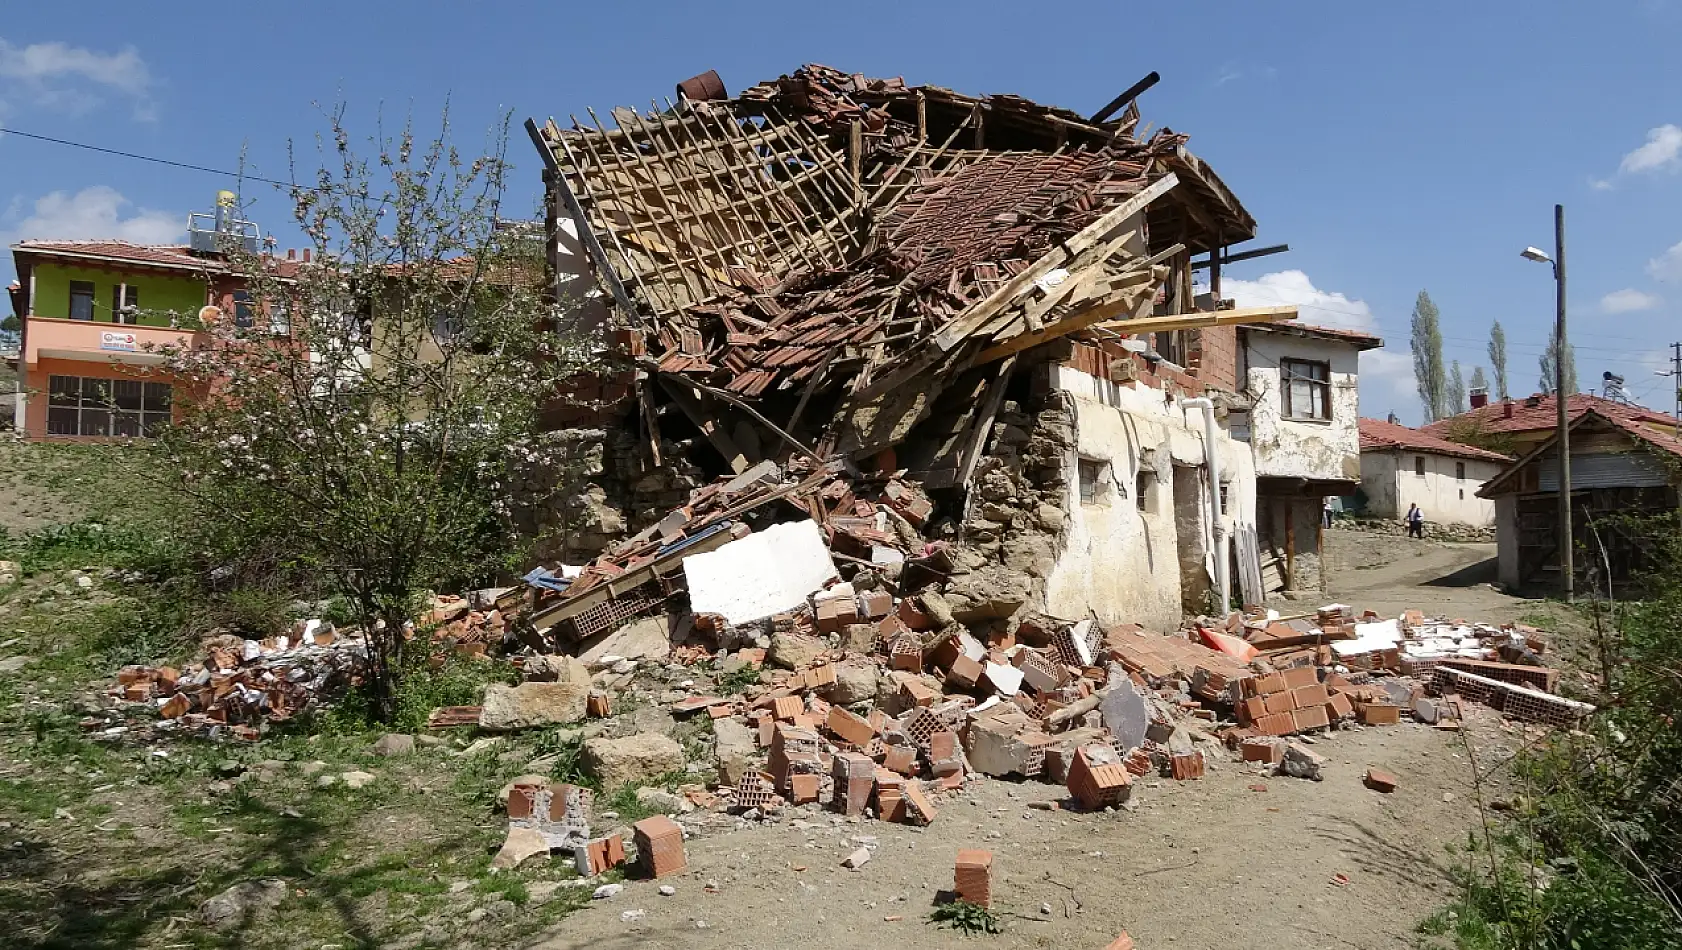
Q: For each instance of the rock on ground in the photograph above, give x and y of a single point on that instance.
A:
(242, 903)
(854, 683)
(792, 651)
(660, 800)
(632, 760)
(733, 743)
(393, 744)
(538, 704)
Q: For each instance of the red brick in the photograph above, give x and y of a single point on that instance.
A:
(1307, 696)
(787, 707)
(849, 728)
(964, 673)
(1263, 685)
(1380, 714)
(1381, 781)
(1186, 766)
(1338, 706)
(1299, 676)
(1280, 703)
(901, 759)
(605, 854)
(1123, 942)
(660, 846)
(1311, 717)
(1260, 750)
(1097, 786)
(973, 877)
(913, 615)
(1252, 709)
(1276, 724)
(803, 788)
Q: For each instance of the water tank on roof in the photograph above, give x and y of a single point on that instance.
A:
(224, 230)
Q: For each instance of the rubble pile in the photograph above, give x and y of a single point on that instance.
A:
(241, 684)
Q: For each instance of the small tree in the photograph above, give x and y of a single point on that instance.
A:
(1478, 381)
(364, 428)
(1498, 358)
(1547, 362)
(1427, 343)
(1454, 394)
(10, 327)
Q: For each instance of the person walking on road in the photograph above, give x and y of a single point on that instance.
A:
(1416, 522)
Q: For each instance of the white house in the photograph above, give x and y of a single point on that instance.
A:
(1401, 467)
(1302, 384)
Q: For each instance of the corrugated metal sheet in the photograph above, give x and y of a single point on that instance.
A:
(1622, 470)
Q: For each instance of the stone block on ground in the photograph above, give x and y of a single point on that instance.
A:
(538, 704)
(632, 760)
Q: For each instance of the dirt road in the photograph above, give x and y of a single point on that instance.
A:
(1237, 860)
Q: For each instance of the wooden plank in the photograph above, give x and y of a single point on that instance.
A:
(959, 330)
(586, 233)
(1127, 300)
(1213, 318)
(708, 422)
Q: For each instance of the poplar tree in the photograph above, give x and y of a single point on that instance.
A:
(1427, 342)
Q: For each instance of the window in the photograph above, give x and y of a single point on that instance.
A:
(242, 309)
(78, 405)
(1142, 488)
(125, 303)
(1306, 389)
(1460, 472)
(1419, 465)
(1222, 512)
(81, 300)
(1091, 481)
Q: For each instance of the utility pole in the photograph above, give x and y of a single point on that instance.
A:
(1563, 439)
(1676, 377)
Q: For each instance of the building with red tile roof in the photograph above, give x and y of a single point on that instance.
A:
(1623, 467)
(1522, 423)
(1402, 467)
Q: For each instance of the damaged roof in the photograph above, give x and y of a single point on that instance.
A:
(831, 230)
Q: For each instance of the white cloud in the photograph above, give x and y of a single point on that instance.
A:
(1628, 300)
(1667, 266)
(1387, 383)
(56, 75)
(98, 211)
(1662, 152)
(1316, 306)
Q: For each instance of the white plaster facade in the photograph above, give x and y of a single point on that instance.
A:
(1446, 492)
(1295, 447)
(1121, 559)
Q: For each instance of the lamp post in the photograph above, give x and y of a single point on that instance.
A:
(1562, 440)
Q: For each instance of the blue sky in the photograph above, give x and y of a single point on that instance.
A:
(1394, 147)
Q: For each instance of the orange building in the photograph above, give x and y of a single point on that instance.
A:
(94, 314)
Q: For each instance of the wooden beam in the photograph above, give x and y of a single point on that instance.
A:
(1214, 318)
(1127, 300)
(959, 330)
(708, 422)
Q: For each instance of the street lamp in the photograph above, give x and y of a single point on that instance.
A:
(1562, 440)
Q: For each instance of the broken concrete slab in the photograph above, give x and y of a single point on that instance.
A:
(793, 652)
(520, 846)
(650, 638)
(1302, 762)
(1124, 712)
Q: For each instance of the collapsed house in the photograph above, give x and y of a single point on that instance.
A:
(873, 288)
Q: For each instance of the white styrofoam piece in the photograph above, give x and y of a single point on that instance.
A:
(1006, 679)
(762, 574)
(1387, 631)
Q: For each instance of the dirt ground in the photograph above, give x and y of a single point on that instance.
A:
(1237, 860)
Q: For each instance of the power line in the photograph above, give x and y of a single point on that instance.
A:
(8, 130)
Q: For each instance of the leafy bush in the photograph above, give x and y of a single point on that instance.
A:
(970, 919)
(1594, 857)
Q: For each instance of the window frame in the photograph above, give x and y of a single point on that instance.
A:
(1459, 471)
(1419, 466)
(90, 295)
(1090, 490)
(1321, 385)
(103, 407)
(125, 304)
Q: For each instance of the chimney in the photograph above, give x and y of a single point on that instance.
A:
(1479, 398)
(306, 255)
(1506, 408)
(291, 253)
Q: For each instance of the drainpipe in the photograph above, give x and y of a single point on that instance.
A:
(1211, 458)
